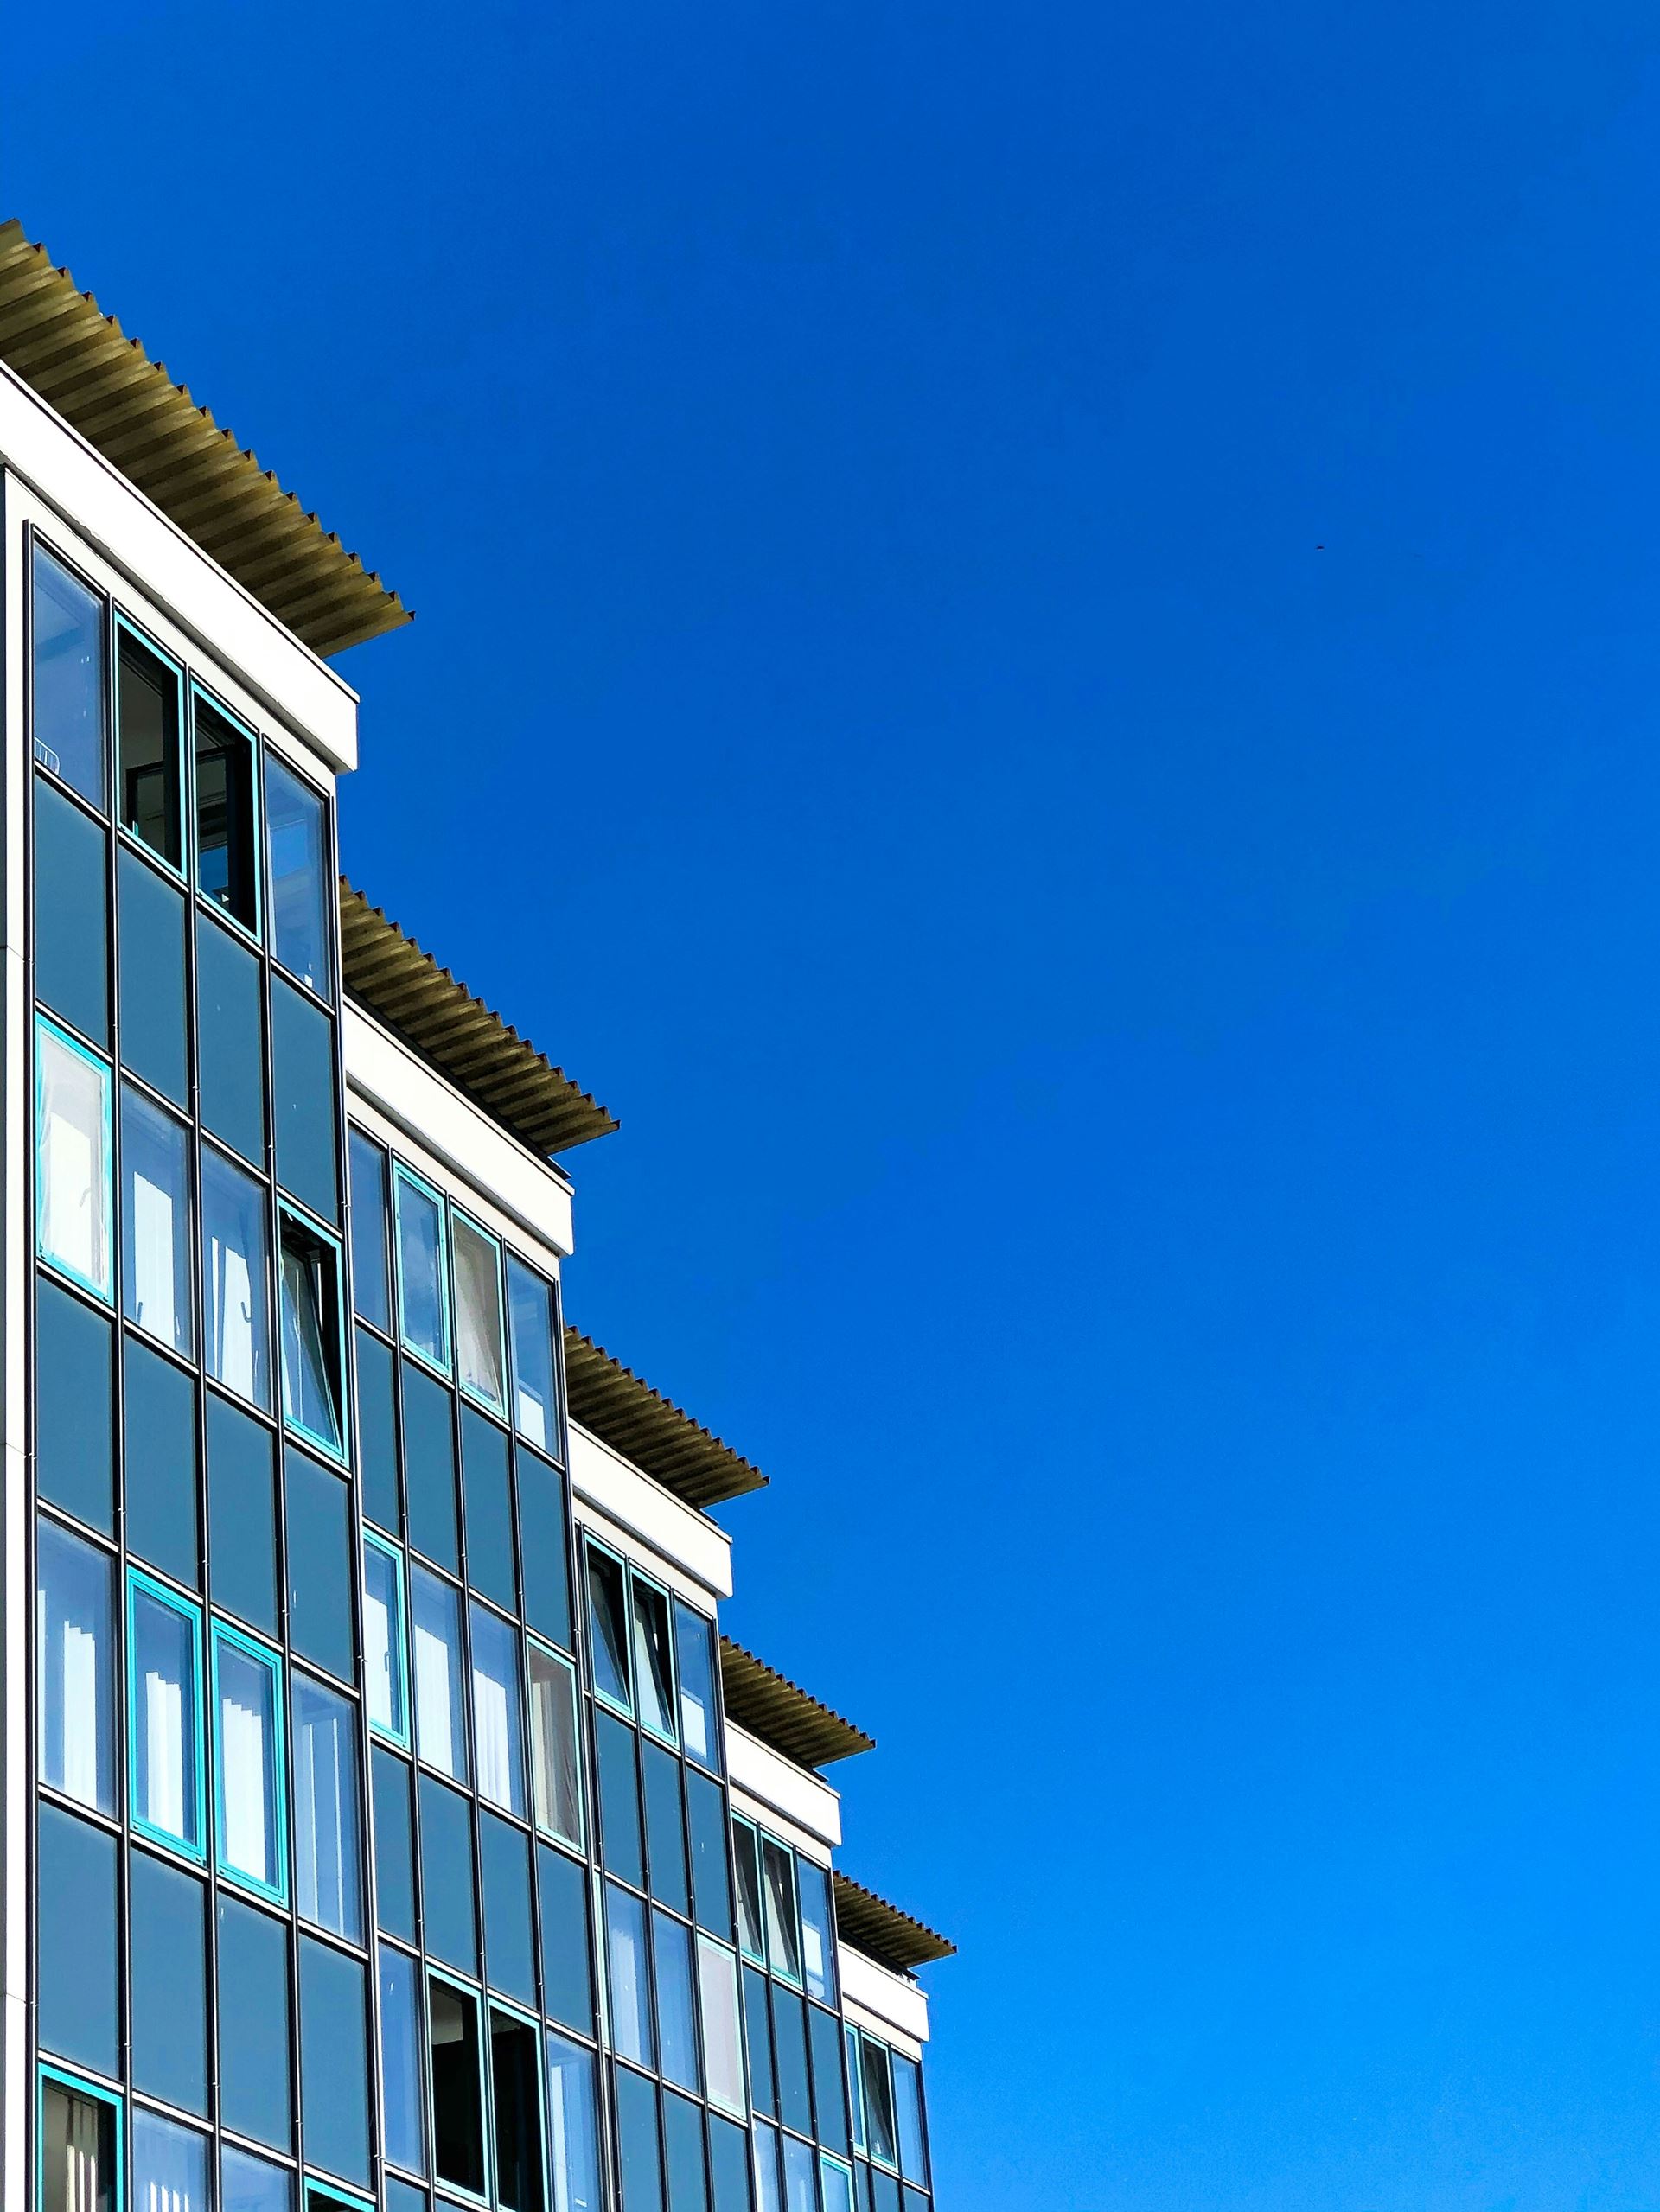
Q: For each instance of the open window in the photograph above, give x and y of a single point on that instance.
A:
(878, 2084)
(165, 1715)
(784, 1925)
(654, 1665)
(78, 2130)
(480, 1353)
(228, 873)
(314, 1348)
(423, 1290)
(249, 1800)
(73, 1159)
(607, 1617)
(457, 2086)
(751, 1929)
(555, 1753)
(301, 887)
(235, 1279)
(385, 1654)
(149, 755)
(155, 1224)
(516, 2102)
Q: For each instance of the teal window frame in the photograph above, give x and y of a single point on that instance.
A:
(188, 1610)
(497, 1406)
(401, 1175)
(855, 2088)
(779, 1970)
(373, 1540)
(538, 2032)
(314, 2185)
(187, 733)
(221, 1632)
(874, 2043)
(565, 1666)
(671, 1736)
(337, 1449)
(758, 1957)
(84, 2085)
(199, 691)
(486, 2101)
(829, 2163)
(104, 1291)
(591, 1545)
(703, 1945)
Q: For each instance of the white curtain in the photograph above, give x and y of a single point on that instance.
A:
(152, 1256)
(435, 1715)
(496, 1778)
(164, 1706)
(230, 1303)
(243, 1751)
(320, 1852)
(377, 1645)
(74, 1210)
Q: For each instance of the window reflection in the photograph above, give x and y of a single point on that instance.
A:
(156, 1222)
(236, 1286)
(72, 1093)
(73, 1654)
(68, 678)
(296, 825)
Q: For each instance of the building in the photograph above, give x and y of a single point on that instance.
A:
(385, 1819)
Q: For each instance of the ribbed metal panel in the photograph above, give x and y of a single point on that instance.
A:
(882, 1932)
(794, 1723)
(623, 1409)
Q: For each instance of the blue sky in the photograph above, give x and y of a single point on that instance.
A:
(1038, 655)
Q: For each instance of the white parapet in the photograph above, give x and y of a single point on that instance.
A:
(891, 2004)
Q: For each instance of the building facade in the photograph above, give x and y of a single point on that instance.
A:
(386, 1820)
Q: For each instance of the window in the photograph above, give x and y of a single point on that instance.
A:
(757, 2042)
(573, 2138)
(767, 2196)
(155, 1228)
(555, 1754)
(746, 1850)
(617, 1757)
(498, 1732)
(235, 1279)
(683, 2160)
(74, 1452)
(423, 1297)
(457, 2086)
(169, 2164)
(794, 2081)
(567, 1946)
(488, 1491)
(320, 1564)
(230, 1038)
(430, 1467)
(516, 2102)
(385, 1664)
(400, 2063)
(79, 2126)
(377, 1431)
(241, 1515)
(73, 1669)
(654, 1670)
(694, 1653)
(72, 1133)
(328, 1872)
(248, 1733)
(250, 2184)
(302, 892)
(68, 673)
(479, 1352)
(544, 1556)
(72, 938)
(665, 1827)
(908, 2114)
(829, 2091)
(639, 2143)
(608, 1628)
(509, 1928)
(161, 1463)
(535, 1406)
(440, 1709)
(168, 1983)
(818, 1930)
(78, 1978)
(801, 2185)
(394, 1846)
(723, 2056)
(369, 1182)
(729, 2166)
(447, 1884)
(148, 764)
(878, 2101)
(225, 844)
(334, 2063)
(677, 2033)
(256, 2013)
(302, 1099)
(313, 1348)
(165, 1695)
(149, 977)
(707, 1829)
(783, 1929)
(630, 1995)
(837, 2182)
(855, 2088)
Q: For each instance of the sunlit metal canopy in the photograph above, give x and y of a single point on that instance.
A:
(882, 1932)
(391, 977)
(81, 362)
(783, 1714)
(623, 1409)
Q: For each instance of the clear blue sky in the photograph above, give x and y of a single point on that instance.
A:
(1039, 654)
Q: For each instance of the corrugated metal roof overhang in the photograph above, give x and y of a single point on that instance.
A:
(81, 362)
(623, 1409)
(882, 1932)
(391, 977)
(784, 1715)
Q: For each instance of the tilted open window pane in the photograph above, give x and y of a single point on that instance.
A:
(313, 1400)
(654, 1669)
(572, 2128)
(694, 1656)
(68, 673)
(235, 1279)
(75, 1667)
(723, 2052)
(878, 2100)
(302, 892)
(71, 1130)
(555, 1757)
(440, 1708)
(479, 1350)
(226, 867)
(535, 1403)
(498, 1731)
(783, 1929)
(385, 1663)
(423, 1298)
(149, 766)
(164, 1694)
(79, 2146)
(746, 1850)
(155, 1228)
(516, 2102)
(328, 1849)
(457, 2086)
(608, 1627)
(855, 2088)
(247, 1745)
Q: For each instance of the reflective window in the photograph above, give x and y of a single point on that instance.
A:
(837, 2182)
(801, 2186)
(542, 1553)
(77, 2011)
(319, 1566)
(368, 1180)
(498, 1733)
(746, 1852)
(723, 2054)
(302, 889)
(457, 2086)
(248, 1733)
(654, 1670)
(535, 1403)
(516, 2104)
(608, 1627)
(572, 2128)
(908, 2116)
(74, 1454)
(628, 1981)
(161, 1463)
(230, 1034)
(149, 769)
(480, 1351)
(423, 1299)
(226, 872)
(313, 1395)
(789, 2058)
(235, 1279)
(757, 2042)
(68, 668)
(377, 1431)
(74, 1668)
(683, 2156)
(394, 1851)
(829, 2092)
(430, 1468)
(302, 1096)
(241, 1515)
(251, 2185)
(677, 2032)
(255, 2091)
(783, 1929)
(72, 1120)
(169, 2164)
(333, 2061)
(447, 1888)
(555, 1754)
(616, 1749)
(400, 2063)
(639, 2146)
(440, 1709)
(155, 1229)
(71, 950)
(79, 2154)
(567, 1956)
(509, 1935)
(385, 1662)
(150, 974)
(729, 2166)
(706, 1827)
(694, 1653)
(768, 2195)
(484, 1483)
(855, 2088)
(878, 2101)
(665, 1827)
(166, 1931)
(164, 1694)
(818, 1930)
(328, 1859)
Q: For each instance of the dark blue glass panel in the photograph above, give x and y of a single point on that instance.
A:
(884, 2191)
(229, 1041)
(377, 1433)
(160, 1464)
(71, 915)
(790, 2049)
(302, 1090)
(757, 2039)
(908, 2118)
(638, 2142)
(665, 1825)
(916, 2200)
(155, 1031)
(619, 1797)
(333, 2062)
(254, 2093)
(319, 1509)
(542, 1553)
(448, 1908)
(169, 1984)
(729, 2165)
(241, 1515)
(509, 1938)
(430, 1467)
(68, 640)
(251, 2185)
(73, 1431)
(78, 2013)
(829, 2089)
(395, 1849)
(303, 897)
(712, 1887)
(403, 2088)
(489, 1509)
(688, 2188)
(370, 1283)
(404, 2197)
(567, 1966)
